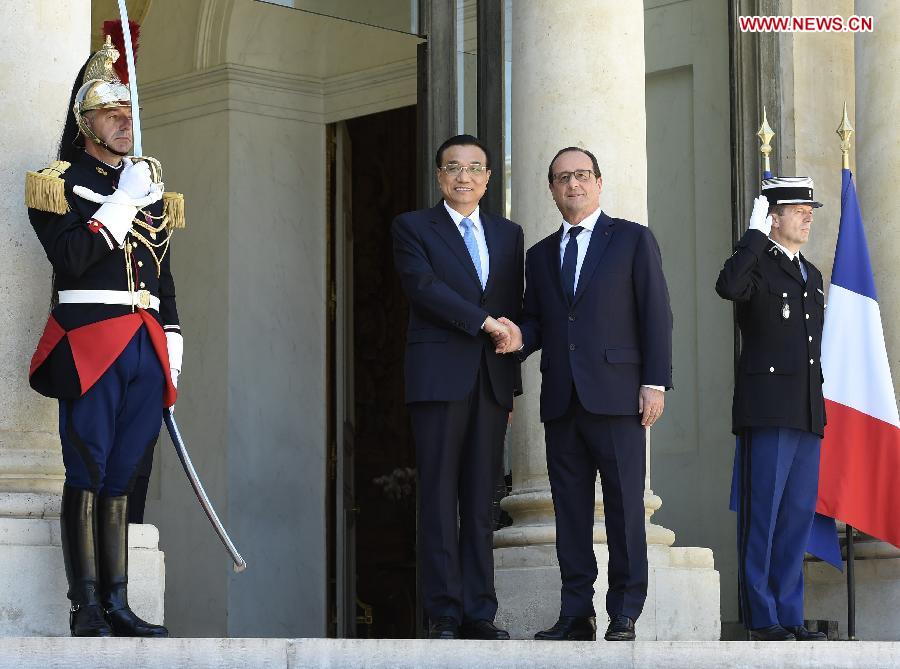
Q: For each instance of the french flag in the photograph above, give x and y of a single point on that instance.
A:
(859, 471)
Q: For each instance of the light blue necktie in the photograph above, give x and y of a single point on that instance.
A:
(472, 246)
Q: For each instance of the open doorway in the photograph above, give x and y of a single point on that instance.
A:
(373, 521)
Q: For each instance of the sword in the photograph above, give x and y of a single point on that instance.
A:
(132, 79)
(169, 416)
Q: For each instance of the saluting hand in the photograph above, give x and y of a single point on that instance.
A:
(759, 219)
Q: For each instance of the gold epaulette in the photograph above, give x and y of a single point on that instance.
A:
(173, 208)
(44, 190)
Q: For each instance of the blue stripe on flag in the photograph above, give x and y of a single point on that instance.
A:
(823, 541)
(852, 269)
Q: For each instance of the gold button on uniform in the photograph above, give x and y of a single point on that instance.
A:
(807, 316)
(810, 361)
(804, 293)
(771, 369)
(143, 285)
(140, 263)
(810, 337)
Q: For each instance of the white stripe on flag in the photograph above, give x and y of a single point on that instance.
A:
(854, 357)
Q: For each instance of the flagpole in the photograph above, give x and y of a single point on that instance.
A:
(844, 131)
(851, 586)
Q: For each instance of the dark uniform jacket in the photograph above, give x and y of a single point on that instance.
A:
(617, 333)
(779, 376)
(447, 306)
(81, 340)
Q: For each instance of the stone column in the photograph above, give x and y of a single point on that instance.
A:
(45, 43)
(578, 80)
(877, 170)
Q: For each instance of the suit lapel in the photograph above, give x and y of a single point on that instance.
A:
(789, 267)
(554, 262)
(448, 231)
(491, 232)
(603, 232)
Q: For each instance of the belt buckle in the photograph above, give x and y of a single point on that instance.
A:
(143, 299)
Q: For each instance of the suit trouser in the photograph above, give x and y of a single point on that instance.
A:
(777, 503)
(579, 444)
(107, 432)
(459, 447)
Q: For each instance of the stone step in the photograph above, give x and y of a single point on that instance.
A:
(56, 652)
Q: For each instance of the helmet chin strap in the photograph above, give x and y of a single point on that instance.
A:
(91, 135)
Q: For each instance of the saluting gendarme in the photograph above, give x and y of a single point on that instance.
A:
(779, 412)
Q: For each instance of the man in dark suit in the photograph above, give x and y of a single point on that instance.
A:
(461, 268)
(597, 305)
(779, 411)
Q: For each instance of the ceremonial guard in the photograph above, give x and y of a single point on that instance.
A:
(779, 410)
(111, 350)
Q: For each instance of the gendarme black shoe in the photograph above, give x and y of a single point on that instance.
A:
(569, 628)
(803, 634)
(771, 633)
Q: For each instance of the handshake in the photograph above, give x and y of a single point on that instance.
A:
(505, 334)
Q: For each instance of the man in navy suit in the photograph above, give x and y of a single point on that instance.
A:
(461, 268)
(597, 305)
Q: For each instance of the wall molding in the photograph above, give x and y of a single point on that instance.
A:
(254, 90)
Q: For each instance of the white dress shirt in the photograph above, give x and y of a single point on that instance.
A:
(583, 240)
(478, 231)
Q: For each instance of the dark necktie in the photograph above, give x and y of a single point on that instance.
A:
(796, 262)
(570, 260)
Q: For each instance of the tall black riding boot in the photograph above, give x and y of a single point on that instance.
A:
(113, 540)
(78, 522)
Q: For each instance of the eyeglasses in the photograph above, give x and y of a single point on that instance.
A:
(455, 169)
(580, 175)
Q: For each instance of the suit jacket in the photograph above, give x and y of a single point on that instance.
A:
(444, 341)
(617, 333)
(779, 377)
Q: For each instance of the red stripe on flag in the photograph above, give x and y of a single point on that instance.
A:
(859, 472)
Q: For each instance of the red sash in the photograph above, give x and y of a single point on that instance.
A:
(97, 345)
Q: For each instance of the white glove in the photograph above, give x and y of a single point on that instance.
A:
(135, 180)
(135, 187)
(118, 210)
(175, 347)
(759, 219)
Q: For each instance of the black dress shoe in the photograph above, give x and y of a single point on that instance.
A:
(803, 634)
(482, 629)
(444, 627)
(569, 628)
(621, 628)
(771, 633)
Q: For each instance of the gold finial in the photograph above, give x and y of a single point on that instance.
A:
(765, 135)
(844, 131)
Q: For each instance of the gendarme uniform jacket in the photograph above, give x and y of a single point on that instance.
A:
(80, 341)
(779, 377)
